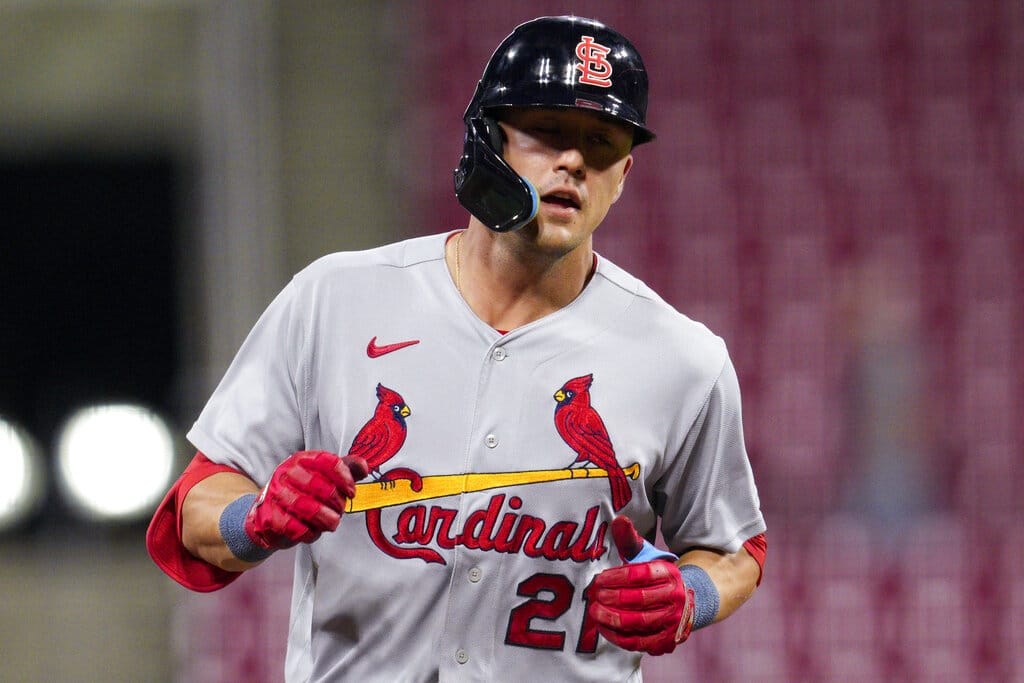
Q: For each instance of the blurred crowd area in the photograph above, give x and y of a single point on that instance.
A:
(838, 191)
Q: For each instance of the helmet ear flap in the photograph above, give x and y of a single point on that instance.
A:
(487, 186)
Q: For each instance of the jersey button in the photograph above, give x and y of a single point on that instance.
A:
(475, 574)
(461, 656)
(500, 354)
(491, 440)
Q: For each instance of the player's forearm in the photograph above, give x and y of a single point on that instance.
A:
(735, 576)
(200, 518)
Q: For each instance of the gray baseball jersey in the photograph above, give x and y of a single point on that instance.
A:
(498, 463)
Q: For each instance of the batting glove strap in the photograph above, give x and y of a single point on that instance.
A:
(232, 530)
(705, 595)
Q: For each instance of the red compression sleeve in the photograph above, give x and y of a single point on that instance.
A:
(758, 548)
(163, 538)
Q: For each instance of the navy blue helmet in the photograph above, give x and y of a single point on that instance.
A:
(568, 62)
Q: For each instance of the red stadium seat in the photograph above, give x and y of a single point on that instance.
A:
(705, 273)
(852, 68)
(770, 133)
(841, 636)
(688, 22)
(791, 201)
(696, 202)
(988, 270)
(942, 66)
(766, 657)
(946, 136)
(1010, 151)
(768, 68)
(986, 486)
(937, 592)
(794, 435)
(695, 137)
(880, 202)
(858, 135)
(988, 408)
(951, 21)
(1009, 595)
(847, 20)
(766, 20)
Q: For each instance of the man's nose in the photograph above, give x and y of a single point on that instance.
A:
(571, 159)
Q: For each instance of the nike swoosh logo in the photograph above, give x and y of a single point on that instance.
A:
(374, 351)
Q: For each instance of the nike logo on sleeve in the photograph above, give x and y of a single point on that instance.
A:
(375, 351)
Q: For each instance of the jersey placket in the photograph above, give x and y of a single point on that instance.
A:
(471, 622)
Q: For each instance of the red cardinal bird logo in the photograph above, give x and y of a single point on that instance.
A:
(581, 427)
(384, 433)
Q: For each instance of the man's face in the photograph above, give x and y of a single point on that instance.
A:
(577, 160)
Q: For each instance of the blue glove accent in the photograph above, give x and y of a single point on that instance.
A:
(232, 530)
(705, 595)
(649, 553)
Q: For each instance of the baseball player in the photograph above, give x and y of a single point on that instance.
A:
(472, 436)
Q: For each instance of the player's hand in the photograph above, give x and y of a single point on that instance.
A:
(305, 497)
(644, 606)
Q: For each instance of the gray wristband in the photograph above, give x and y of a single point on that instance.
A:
(705, 595)
(232, 530)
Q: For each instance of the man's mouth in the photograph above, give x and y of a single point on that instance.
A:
(561, 199)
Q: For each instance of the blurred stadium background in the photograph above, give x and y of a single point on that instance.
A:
(837, 189)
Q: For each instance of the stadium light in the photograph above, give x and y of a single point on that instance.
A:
(22, 476)
(114, 462)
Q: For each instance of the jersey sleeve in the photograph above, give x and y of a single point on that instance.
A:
(707, 496)
(163, 537)
(758, 549)
(254, 418)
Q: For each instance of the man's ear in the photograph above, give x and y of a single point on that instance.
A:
(622, 180)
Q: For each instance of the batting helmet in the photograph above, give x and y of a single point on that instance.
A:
(568, 62)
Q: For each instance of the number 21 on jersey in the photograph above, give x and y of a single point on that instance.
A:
(550, 597)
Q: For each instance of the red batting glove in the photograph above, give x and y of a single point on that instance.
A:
(305, 497)
(643, 607)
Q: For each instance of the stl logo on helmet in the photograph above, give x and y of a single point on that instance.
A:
(594, 67)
